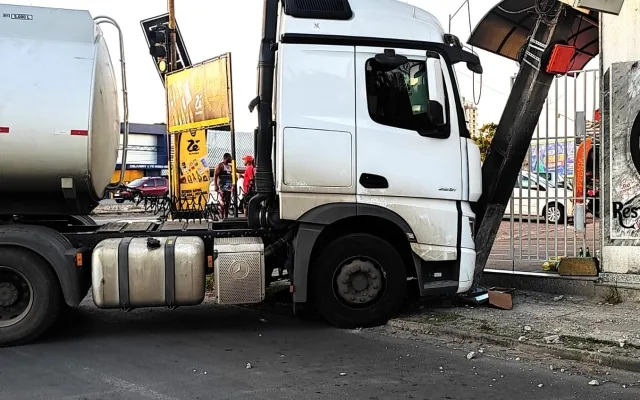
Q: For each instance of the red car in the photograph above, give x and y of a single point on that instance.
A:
(143, 187)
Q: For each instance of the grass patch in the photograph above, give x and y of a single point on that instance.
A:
(485, 327)
(209, 283)
(612, 296)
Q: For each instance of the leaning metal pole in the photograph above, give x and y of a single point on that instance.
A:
(513, 135)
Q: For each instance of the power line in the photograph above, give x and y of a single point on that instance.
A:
(484, 85)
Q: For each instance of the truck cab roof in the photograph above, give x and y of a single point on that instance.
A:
(388, 19)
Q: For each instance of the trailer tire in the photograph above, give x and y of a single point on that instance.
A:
(359, 280)
(33, 275)
(82, 220)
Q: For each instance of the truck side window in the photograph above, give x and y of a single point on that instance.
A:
(400, 96)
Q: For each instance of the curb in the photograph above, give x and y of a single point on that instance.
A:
(618, 362)
(118, 211)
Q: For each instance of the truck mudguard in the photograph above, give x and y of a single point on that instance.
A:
(54, 248)
(315, 220)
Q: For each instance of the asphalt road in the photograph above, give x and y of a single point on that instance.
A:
(202, 353)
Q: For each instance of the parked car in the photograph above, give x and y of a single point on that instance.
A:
(535, 197)
(141, 188)
(558, 180)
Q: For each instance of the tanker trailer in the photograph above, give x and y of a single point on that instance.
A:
(59, 112)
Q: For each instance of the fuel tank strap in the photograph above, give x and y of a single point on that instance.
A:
(123, 272)
(170, 271)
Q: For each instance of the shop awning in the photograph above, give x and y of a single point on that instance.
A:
(504, 30)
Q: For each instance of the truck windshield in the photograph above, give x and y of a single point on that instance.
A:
(399, 96)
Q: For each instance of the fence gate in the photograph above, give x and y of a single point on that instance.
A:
(546, 218)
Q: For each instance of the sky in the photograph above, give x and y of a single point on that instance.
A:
(214, 27)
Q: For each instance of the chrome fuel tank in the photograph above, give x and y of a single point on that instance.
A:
(149, 272)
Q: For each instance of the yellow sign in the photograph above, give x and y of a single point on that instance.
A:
(198, 97)
(194, 170)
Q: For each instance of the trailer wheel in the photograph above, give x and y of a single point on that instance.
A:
(82, 220)
(359, 280)
(30, 297)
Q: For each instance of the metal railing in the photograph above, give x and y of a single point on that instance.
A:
(545, 218)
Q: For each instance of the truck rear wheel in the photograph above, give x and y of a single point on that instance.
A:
(359, 280)
(30, 297)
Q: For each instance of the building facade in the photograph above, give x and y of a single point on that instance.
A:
(147, 152)
(471, 115)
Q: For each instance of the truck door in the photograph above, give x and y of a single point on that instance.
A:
(399, 151)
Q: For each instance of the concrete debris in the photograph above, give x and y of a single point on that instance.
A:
(558, 298)
(621, 342)
(540, 385)
(527, 328)
(553, 339)
(249, 366)
(551, 367)
(594, 383)
(517, 358)
(481, 351)
(471, 355)
(522, 339)
(562, 370)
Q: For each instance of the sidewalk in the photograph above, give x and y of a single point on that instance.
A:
(111, 207)
(568, 326)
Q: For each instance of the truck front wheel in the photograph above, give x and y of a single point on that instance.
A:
(30, 297)
(359, 280)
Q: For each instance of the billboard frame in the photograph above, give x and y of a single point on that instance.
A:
(206, 124)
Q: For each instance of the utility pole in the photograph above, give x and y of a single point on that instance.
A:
(173, 140)
(172, 35)
(515, 130)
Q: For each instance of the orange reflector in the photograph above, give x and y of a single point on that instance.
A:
(561, 59)
(210, 261)
(4, 129)
(78, 132)
(291, 289)
(79, 260)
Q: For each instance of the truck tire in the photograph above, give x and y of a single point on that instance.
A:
(82, 220)
(359, 280)
(30, 295)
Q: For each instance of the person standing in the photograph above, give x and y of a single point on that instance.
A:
(223, 184)
(249, 174)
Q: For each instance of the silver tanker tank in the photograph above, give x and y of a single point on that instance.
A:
(59, 112)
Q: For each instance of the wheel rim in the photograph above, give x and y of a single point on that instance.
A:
(359, 283)
(553, 214)
(16, 296)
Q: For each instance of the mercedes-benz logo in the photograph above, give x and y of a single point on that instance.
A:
(239, 270)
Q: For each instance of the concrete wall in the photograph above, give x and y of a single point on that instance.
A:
(620, 43)
(620, 35)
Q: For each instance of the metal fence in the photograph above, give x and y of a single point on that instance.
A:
(219, 142)
(545, 218)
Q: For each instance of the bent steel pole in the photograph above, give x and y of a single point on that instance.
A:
(513, 136)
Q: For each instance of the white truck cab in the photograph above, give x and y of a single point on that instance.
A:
(365, 172)
(370, 137)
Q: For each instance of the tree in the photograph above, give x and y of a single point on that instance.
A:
(483, 138)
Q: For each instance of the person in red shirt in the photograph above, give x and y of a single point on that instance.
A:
(249, 174)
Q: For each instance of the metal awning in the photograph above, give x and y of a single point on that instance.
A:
(504, 30)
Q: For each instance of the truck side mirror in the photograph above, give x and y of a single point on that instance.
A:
(390, 59)
(437, 92)
(475, 67)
